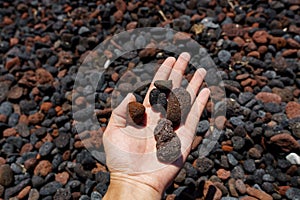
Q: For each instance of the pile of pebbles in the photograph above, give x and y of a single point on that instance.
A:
(255, 44)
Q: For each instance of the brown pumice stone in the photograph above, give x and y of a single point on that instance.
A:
(179, 104)
(136, 112)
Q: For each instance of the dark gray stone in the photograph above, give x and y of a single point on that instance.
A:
(50, 188)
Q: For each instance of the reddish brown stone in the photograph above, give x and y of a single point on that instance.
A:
(252, 46)
(24, 192)
(12, 62)
(28, 79)
(131, 25)
(23, 119)
(240, 41)
(289, 52)
(296, 92)
(255, 54)
(295, 7)
(232, 30)
(248, 198)
(78, 144)
(62, 73)
(62, 177)
(286, 94)
(7, 20)
(181, 36)
(248, 89)
(43, 168)
(285, 142)
(30, 163)
(13, 41)
(15, 93)
(45, 107)
(118, 15)
(242, 76)
(196, 142)
(3, 118)
(136, 112)
(246, 82)
(6, 175)
(240, 186)
(120, 5)
(218, 193)
(43, 76)
(220, 122)
(223, 174)
(267, 97)
(65, 59)
(293, 43)
(260, 37)
(35, 118)
(258, 194)
(279, 42)
(9, 132)
(227, 148)
(282, 189)
(262, 49)
(261, 80)
(59, 111)
(115, 77)
(292, 109)
(231, 184)
(2, 161)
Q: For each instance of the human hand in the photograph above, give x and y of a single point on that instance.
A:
(131, 151)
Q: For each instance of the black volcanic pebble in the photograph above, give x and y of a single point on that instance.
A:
(249, 165)
(9, 192)
(46, 148)
(62, 140)
(62, 194)
(50, 188)
(163, 85)
(153, 96)
(169, 151)
(203, 126)
(167, 143)
(203, 164)
(162, 100)
(163, 132)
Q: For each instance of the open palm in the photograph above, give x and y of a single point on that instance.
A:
(131, 151)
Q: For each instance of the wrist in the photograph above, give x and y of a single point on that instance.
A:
(125, 187)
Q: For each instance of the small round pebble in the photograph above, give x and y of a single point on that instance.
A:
(6, 175)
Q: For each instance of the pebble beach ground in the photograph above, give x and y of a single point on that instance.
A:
(254, 44)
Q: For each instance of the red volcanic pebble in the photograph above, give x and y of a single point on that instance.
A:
(136, 112)
(267, 97)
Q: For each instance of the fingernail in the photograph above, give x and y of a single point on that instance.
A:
(185, 55)
(202, 71)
